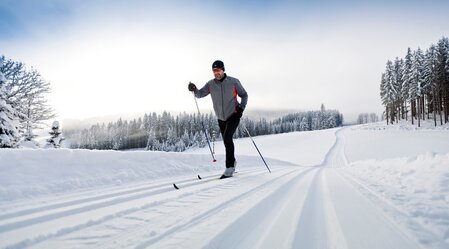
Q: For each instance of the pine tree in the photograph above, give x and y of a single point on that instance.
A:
(430, 77)
(398, 82)
(56, 138)
(425, 84)
(384, 95)
(417, 83)
(442, 72)
(9, 134)
(391, 91)
(406, 79)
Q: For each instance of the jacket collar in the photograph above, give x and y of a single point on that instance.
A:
(222, 79)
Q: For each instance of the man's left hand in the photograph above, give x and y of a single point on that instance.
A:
(239, 112)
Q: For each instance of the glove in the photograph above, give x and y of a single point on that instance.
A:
(192, 87)
(239, 112)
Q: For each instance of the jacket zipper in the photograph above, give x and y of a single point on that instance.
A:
(222, 100)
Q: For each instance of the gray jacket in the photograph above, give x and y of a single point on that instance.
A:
(224, 96)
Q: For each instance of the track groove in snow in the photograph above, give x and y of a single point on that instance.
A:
(310, 231)
(321, 206)
(193, 221)
(71, 220)
(416, 231)
(142, 191)
(264, 218)
(93, 203)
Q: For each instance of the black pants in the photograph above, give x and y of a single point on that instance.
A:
(227, 129)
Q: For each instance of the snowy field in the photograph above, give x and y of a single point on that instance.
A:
(368, 186)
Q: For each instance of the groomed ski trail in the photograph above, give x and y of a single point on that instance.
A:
(316, 208)
(293, 207)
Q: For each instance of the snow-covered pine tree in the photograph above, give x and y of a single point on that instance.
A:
(397, 72)
(442, 71)
(390, 90)
(56, 138)
(430, 77)
(186, 138)
(406, 78)
(304, 126)
(172, 137)
(9, 134)
(417, 82)
(384, 95)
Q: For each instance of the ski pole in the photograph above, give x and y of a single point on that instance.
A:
(244, 126)
(204, 128)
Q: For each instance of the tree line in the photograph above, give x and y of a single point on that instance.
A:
(365, 118)
(23, 106)
(167, 132)
(417, 86)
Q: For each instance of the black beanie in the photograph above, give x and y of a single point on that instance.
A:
(218, 64)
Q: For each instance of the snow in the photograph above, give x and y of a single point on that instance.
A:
(367, 186)
(378, 141)
(30, 173)
(418, 186)
(308, 148)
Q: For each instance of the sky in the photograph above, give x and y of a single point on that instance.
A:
(123, 57)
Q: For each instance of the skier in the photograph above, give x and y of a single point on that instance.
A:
(224, 90)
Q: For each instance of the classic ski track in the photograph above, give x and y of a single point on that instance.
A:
(338, 161)
(196, 219)
(78, 206)
(300, 208)
(270, 213)
(309, 232)
(306, 229)
(116, 214)
(163, 186)
(401, 218)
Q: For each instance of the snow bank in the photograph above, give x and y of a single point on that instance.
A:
(426, 125)
(380, 141)
(417, 185)
(29, 173)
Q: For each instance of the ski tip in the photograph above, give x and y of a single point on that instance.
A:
(199, 177)
(174, 185)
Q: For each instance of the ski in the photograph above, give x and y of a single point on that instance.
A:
(176, 186)
(206, 180)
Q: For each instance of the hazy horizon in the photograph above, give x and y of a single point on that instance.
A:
(253, 114)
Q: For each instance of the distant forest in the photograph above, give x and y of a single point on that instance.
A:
(166, 132)
(417, 87)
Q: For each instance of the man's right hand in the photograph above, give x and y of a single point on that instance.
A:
(192, 87)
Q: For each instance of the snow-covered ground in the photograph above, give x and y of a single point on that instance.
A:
(368, 186)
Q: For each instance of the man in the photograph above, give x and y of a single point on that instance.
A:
(224, 90)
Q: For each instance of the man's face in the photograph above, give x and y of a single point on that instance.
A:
(218, 73)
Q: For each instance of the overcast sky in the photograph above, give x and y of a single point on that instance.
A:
(117, 57)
